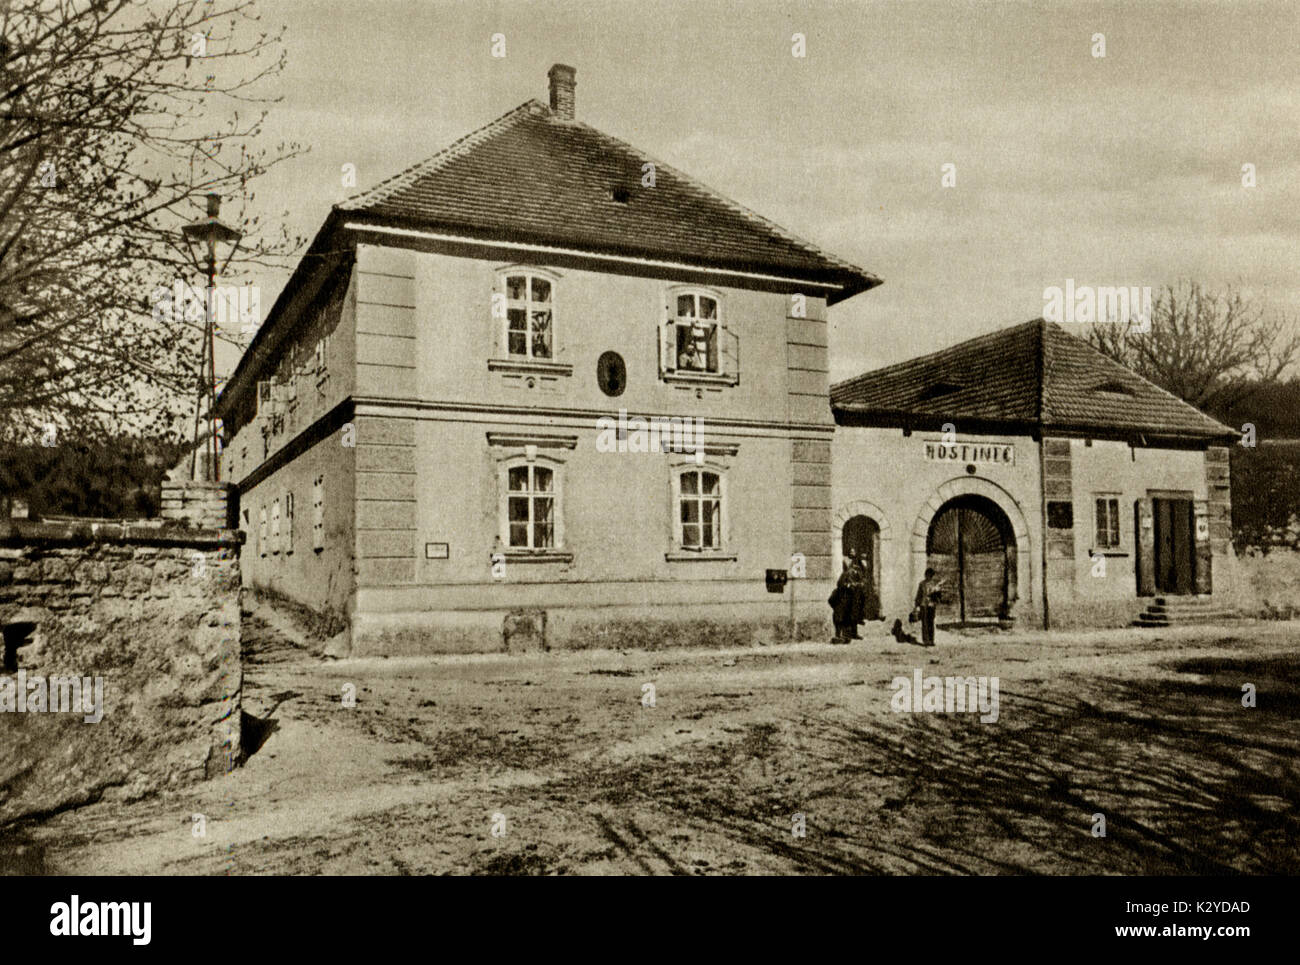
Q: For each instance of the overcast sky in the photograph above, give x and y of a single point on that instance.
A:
(1122, 170)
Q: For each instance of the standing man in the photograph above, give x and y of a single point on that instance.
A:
(841, 601)
(860, 583)
(927, 599)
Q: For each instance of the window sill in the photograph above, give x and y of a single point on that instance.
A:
(699, 378)
(529, 366)
(1111, 553)
(536, 556)
(711, 556)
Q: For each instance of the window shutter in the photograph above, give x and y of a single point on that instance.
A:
(712, 349)
(288, 523)
(1145, 541)
(667, 347)
(730, 353)
(1203, 574)
(318, 513)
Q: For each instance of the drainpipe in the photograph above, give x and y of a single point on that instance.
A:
(1042, 539)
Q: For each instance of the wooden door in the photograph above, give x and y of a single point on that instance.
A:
(1174, 546)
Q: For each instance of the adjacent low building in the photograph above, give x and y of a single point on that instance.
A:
(1045, 483)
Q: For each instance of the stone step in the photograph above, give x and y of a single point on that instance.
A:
(1190, 610)
(1183, 601)
(1162, 620)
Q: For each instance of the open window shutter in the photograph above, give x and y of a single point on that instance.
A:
(1202, 574)
(730, 353)
(1145, 540)
(667, 346)
(711, 345)
(496, 340)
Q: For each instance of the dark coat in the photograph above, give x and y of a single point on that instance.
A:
(927, 594)
(843, 600)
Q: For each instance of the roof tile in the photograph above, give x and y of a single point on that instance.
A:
(1035, 373)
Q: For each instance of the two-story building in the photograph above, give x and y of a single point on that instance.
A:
(542, 388)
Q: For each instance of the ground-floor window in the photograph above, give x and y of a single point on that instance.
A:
(699, 508)
(531, 504)
(532, 507)
(318, 513)
(1107, 520)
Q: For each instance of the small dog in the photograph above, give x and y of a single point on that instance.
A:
(902, 636)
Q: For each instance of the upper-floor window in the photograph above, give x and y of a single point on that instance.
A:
(1107, 519)
(695, 341)
(530, 316)
(696, 333)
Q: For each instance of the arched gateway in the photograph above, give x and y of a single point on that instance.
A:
(972, 547)
(975, 536)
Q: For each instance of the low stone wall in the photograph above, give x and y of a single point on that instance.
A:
(149, 610)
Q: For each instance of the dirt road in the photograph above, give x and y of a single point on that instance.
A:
(561, 756)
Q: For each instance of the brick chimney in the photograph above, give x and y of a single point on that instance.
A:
(562, 83)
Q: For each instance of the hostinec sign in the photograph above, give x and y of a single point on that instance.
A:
(988, 453)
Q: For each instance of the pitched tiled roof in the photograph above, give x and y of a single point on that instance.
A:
(533, 177)
(1035, 374)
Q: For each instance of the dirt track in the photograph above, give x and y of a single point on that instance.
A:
(1146, 727)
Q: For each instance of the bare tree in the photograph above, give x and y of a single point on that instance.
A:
(1209, 349)
(116, 118)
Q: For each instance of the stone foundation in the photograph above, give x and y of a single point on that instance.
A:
(641, 627)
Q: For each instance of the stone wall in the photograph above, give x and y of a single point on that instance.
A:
(152, 609)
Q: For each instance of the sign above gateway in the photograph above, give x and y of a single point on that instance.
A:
(985, 453)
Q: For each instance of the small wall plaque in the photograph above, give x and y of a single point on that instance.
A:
(437, 551)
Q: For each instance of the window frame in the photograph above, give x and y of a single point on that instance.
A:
(261, 531)
(318, 513)
(558, 552)
(678, 467)
(529, 272)
(669, 368)
(288, 523)
(1114, 521)
(275, 527)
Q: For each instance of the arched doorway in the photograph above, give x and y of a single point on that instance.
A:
(860, 538)
(972, 547)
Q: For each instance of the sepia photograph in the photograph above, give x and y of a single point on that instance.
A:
(651, 438)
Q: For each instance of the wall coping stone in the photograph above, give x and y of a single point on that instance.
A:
(141, 532)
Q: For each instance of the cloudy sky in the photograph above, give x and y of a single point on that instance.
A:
(1117, 170)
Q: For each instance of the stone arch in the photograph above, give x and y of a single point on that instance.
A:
(859, 507)
(883, 561)
(975, 486)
